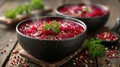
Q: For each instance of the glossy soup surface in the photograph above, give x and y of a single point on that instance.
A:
(81, 11)
(67, 29)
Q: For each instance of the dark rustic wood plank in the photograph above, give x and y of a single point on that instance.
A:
(7, 42)
(1, 2)
(108, 61)
(7, 36)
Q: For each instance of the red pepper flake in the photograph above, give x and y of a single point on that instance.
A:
(74, 63)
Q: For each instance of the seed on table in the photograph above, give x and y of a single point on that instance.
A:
(15, 51)
(79, 59)
(10, 40)
(107, 51)
(107, 61)
(113, 55)
(81, 56)
(106, 48)
(25, 65)
(109, 64)
(14, 57)
(86, 65)
(7, 45)
(112, 46)
(11, 63)
(18, 57)
(4, 51)
(1, 52)
(76, 53)
(116, 47)
(86, 52)
(76, 58)
(74, 63)
(21, 59)
(91, 61)
(13, 60)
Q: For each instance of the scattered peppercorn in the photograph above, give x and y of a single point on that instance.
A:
(1, 52)
(15, 52)
(82, 59)
(4, 51)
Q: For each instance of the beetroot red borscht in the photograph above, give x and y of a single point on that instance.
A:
(51, 29)
(82, 10)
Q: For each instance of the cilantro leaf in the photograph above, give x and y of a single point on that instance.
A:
(10, 13)
(47, 26)
(95, 48)
(37, 4)
(54, 26)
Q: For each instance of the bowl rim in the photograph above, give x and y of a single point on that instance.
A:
(98, 5)
(41, 17)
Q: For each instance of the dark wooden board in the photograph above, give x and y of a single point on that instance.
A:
(10, 23)
(47, 64)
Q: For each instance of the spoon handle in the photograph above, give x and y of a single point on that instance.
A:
(117, 26)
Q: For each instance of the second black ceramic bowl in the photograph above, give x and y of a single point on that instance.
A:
(93, 23)
(51, 50)
(110, 38)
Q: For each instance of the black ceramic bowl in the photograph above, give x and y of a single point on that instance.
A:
(108, 41)
(51, 50)
(93, 23)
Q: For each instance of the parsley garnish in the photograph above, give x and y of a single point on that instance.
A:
(24, 8)
(95, 48)
(54, 26)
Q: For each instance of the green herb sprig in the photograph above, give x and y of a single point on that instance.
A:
(24, 8)
(10, 13)
(37, 4)
(95, 48)
(54, 26)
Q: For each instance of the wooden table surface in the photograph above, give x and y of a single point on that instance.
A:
(8, 39)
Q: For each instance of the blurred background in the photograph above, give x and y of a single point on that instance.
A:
(112, 4)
